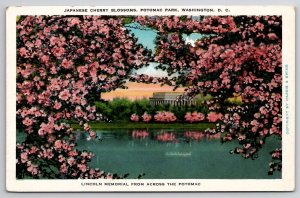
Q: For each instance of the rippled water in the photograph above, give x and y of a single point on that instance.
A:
(165, 154)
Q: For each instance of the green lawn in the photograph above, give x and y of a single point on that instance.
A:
(131, 125)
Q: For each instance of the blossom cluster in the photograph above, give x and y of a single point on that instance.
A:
(160, 116)
(134, 118)
(165, 116)
(194, 117)
(145, 117)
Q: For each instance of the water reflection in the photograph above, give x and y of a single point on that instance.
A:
(163, 135)
(169, 136)
(197, 135)
(139, 134)
(166, 137)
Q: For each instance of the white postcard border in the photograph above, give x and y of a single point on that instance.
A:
(287, 183)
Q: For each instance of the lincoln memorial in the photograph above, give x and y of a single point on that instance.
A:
(172, 98)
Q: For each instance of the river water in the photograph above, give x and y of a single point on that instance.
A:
(166, 154)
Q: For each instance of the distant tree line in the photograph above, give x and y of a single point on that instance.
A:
(120, 109)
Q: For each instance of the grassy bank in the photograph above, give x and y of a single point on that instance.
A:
(131, 125)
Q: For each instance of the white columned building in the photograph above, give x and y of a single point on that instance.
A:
(172, 98)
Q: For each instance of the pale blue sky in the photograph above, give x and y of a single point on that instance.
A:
(145, 37)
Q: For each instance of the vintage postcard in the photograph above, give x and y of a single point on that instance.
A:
(166, 98)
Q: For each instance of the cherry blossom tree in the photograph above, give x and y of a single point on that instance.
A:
(64, 63)
(165, 116)
(146, 117)
(134, 118)
(238, 55)
(194, 117)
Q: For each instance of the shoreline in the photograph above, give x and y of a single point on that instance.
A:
(132, 125)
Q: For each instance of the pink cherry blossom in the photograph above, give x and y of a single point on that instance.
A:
(134, 118)
(214, 117)
(146, 117)
(67, 64)
(57, 105)
(64, 95)
(272, 36)
(27, 121)
(58, 144)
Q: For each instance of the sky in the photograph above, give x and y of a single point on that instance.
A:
(138, 91)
